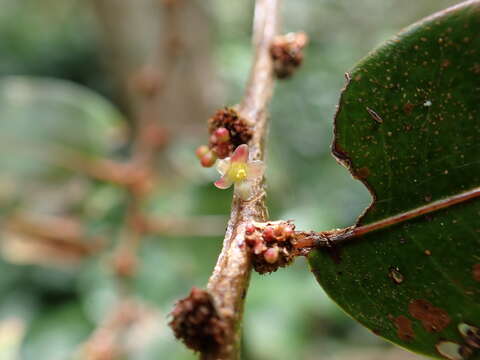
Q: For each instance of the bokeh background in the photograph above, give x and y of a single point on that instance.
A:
(80, 81)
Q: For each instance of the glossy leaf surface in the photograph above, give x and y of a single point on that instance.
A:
(408, 127)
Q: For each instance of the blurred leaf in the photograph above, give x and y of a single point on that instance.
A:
(45, 111)
(48, 126)
(52, 38)
(408, 127)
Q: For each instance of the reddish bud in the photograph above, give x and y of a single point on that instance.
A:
(208, 159)
(202, 151)
(288, 231)
(253, 239)
(250, 229)
(223, 150)
(222, 135)
(259, 248)
(278, 231)
(268, 234)
(271, 255)
(283, 231)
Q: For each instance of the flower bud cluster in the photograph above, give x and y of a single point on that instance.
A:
(196, 322)
(219, 147)
(227, 131)
(220, 142)
(271, 245)
(287, 53)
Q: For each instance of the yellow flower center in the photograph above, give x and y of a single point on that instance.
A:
(237, 171)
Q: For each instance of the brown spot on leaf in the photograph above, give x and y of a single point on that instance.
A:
(446, 63)
(404, 328)
(362, 173)
(433, 319)
(476, 272)
(408, 108)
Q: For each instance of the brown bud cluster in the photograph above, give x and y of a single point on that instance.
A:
(287, 53)
(271, 245)
(227, 131)
(196, 322)
(240, 131)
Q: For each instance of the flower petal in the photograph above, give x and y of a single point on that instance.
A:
(256, 168)
(223, 183)
(244, 190)
(240, 154)
(223, 165)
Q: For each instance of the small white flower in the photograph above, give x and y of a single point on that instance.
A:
(239, 171)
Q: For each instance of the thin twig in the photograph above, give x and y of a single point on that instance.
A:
(54, 241)
(151, 137)
(112, 337)
(229, 282)
(148, 88)
(103, 169)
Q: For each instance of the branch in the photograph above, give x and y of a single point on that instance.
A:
(276, 244)
(51, 241)
(112, 338)
(229, 282)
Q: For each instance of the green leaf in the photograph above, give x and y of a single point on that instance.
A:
(408, 127)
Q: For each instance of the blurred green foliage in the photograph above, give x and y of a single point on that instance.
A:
(287, 314)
